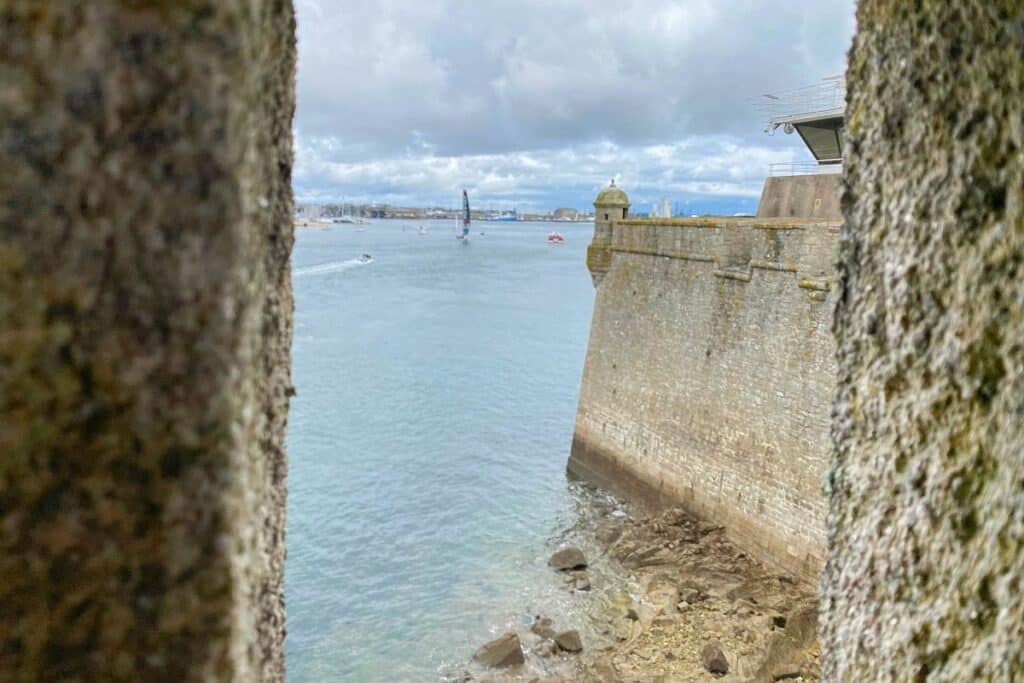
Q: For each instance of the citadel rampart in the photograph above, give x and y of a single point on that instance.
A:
(709, 374)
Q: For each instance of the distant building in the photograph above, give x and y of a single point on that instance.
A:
(564, 213)
(308, 211)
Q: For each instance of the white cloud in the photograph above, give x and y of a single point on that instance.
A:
(540, 99)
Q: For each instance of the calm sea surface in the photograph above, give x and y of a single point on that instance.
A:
(427, 444)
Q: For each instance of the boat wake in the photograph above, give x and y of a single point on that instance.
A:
(329, 267)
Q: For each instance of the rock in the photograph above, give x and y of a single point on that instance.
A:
(609, 534)
(577, 581)
(786, 671)
(503, 651)
(602, 672)
(713, 660)
(643, 614)
(568, 558)
(569, 641)
(543, 627)
(665, 599)
(786, 652)
(802, 624)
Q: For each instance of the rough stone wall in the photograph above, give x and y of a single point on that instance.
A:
(806, 196)
(709, 377)
(145, 328)
(926, 524)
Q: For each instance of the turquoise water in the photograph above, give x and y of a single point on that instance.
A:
(437, 388)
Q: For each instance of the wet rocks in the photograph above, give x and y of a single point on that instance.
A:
(503, 651)
(675, 621)
(712, 658)
(567, 559)
(543, 627)
(569, 641)
(573, 563)
(790, 652)
(577, 581)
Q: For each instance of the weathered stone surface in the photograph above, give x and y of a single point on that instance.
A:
(568, 558)
(569, 641)
(503, 651)
(926, 526)
(145, 328)
(712, 659)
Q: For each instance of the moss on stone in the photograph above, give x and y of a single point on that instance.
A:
(144, 332)
(926, 528)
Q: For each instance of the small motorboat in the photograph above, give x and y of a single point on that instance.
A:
(555, 238)
(366, 258)
(423, 230)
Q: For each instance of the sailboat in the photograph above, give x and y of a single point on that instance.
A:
(465, 218)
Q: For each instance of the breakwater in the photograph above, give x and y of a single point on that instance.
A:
(709, 374)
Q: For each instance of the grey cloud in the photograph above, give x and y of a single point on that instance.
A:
(395, 80)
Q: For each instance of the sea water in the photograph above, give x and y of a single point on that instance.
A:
(437, 387)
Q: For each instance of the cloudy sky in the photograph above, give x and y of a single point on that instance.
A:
(537, 103)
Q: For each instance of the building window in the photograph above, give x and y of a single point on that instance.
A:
(606, 216)
(623, 213)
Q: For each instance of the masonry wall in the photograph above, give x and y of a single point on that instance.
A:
(926, 526)
(145, 327)
(804, 196)
(709, 377)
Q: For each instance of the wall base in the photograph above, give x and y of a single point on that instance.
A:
(600, 467)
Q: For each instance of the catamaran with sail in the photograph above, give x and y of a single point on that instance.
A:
(464, 236)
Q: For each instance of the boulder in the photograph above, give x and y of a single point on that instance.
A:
(568, 558)
(569, 641)
(543, 627)
(503, 651)
(712, 658)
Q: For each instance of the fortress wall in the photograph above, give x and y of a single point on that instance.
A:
(145, 328)
(709, 377)
(804, 196)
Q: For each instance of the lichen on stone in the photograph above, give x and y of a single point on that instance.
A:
(145, 326)
(926, 528)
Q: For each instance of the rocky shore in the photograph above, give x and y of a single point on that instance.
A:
(663, 597)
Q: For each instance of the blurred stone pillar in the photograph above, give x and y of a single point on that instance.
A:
(926, 530)
(145, 329)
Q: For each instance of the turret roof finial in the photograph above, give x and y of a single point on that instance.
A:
(613, 182)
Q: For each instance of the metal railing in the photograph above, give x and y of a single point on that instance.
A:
(790, 168)
(826, 96)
